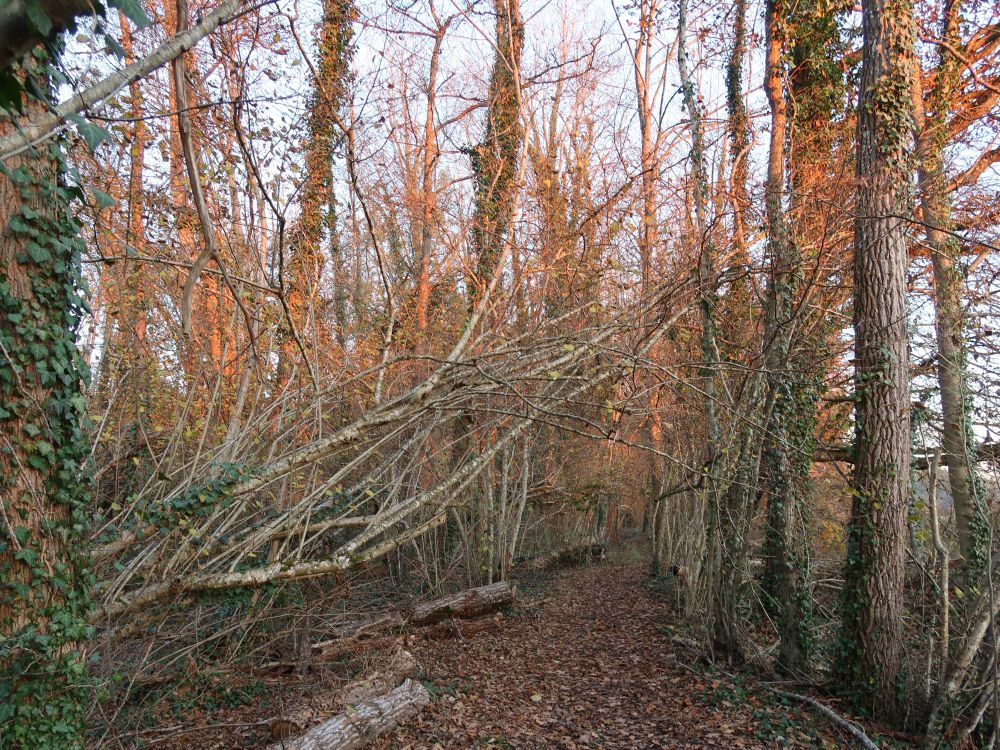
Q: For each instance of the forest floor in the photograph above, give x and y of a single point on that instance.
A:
(585, 659)
(590, 664)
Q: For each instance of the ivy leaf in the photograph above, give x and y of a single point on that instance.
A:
(113, 45)
(103, 199)
(10, 92)
(94, 135)
(133, 10)
(38, 254)
(28, 556)
(38, 17)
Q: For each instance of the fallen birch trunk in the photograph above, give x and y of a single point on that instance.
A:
(399, 668)
(463, 604)
(368, 687)
(363, 722)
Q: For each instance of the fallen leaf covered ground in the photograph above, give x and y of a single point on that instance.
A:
(584, 660)
(589, 667)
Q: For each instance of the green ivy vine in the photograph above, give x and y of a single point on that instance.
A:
(44, 581)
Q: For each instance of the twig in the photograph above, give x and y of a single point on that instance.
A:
(855, 729)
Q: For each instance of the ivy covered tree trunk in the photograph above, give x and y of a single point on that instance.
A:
(788, 410)
(935, 202)
(44, 598)
(871, 637)
(739, 137)
(787, 458)
(719, 530)
(495, 167)
(319, 210)
(495, 161)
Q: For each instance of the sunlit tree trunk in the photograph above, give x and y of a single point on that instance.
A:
(871, 638)
(708, 300)
(428, 191)
(495, 161)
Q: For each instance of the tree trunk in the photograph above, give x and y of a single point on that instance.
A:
(949, 316)
(44, 595)
(591, 549)
(371, 685)
(708, 299)
(495, 161)
(468, 603)
(873, 592)
(784, 575)
(739, 136)
(363, 722)
(428, 194)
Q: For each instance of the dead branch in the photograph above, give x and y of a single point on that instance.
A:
(855, 729)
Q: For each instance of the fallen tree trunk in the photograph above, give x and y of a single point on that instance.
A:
(375, 625)
(363, 722)
(463, 604)
(370, 686)
(571, 554)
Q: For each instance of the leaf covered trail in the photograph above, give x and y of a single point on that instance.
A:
(587, 668)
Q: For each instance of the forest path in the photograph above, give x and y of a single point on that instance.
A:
(586, 668)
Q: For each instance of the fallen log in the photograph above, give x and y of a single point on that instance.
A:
(463, 604)
(363, 722)
(375, 625)
(401, 666)
(461, 629)
(571, 554)
(369, 686)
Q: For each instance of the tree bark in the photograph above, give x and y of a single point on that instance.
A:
(949, 317)
(468, 603)
(873, 593)
(44, 595)
(363, 722)
(784, 566)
